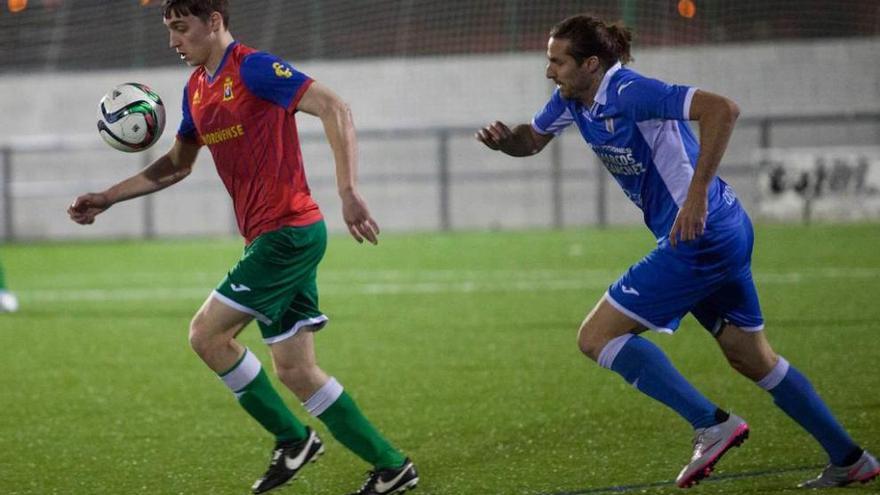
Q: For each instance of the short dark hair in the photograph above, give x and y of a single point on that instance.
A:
(199, 8)
(591, 36)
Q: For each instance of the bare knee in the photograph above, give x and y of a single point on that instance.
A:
(293, 374)
(748, 353)
(753, 367)
(590, 341)
(303, 379)
(202, 339)
(603, 324)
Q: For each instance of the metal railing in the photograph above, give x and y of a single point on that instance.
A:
(442, 176)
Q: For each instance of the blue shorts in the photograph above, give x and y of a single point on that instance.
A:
(710, 277)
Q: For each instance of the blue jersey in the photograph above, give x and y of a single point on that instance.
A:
(637, 127)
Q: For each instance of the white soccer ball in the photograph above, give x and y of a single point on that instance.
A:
(8, 302)
(131, 117)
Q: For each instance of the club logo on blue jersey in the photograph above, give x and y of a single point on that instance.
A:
(282, 70)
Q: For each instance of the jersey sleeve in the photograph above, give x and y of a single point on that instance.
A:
(554, 117)
(647, 99)
(187, 130)
(273, 79)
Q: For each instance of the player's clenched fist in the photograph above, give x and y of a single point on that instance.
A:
(494, 135)
(85, 208)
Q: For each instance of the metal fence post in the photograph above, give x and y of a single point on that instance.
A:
(556, 183)
(317, 39)
(764, 133)
(601, 197)
(6, 195)
(149, 215)
(443, 178)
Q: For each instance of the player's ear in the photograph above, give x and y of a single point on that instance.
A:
(591, 64)
(216, 21)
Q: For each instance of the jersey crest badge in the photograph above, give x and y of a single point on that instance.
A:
(197, 97)
(227, 89)
(282, 70)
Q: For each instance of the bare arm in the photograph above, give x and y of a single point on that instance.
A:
(717, 116)
(170, 168)
(335, 115)
(521, 141)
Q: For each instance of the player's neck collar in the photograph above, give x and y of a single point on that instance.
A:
(603, 86)
(226, 53)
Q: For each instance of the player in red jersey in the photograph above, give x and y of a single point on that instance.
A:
(241, 103)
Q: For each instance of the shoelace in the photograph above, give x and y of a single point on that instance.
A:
(276, 456)
(373, 478)
(698, 444)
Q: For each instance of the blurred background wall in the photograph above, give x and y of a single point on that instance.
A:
(421, 77)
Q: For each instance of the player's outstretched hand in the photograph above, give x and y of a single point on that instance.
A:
(85, 208)
(357, 217)
(690, 221)
(494, 135)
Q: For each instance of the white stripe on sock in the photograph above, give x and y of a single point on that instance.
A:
(611, 349)
(776, 375)
(243, 373)
(323, 398)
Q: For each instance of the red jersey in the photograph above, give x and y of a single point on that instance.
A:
(244, 113)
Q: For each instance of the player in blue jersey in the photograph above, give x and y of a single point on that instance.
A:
(701, 265)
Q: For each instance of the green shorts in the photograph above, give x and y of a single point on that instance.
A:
(275, 281)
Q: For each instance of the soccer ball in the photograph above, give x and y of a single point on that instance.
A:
(131, 117)
(8, 302)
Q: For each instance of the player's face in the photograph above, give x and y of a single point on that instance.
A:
(573, 80)
(191, 38)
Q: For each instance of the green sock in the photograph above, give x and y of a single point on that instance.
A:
(258, 397)
(348, 425)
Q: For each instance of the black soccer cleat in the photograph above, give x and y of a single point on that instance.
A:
(287, 459)
(386, 481)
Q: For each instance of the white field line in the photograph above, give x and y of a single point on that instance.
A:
(392, 282)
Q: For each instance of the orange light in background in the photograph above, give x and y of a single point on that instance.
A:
(687, 8)
(16, 5)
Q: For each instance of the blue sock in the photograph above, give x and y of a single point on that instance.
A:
(643, 364)
(794, 394)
